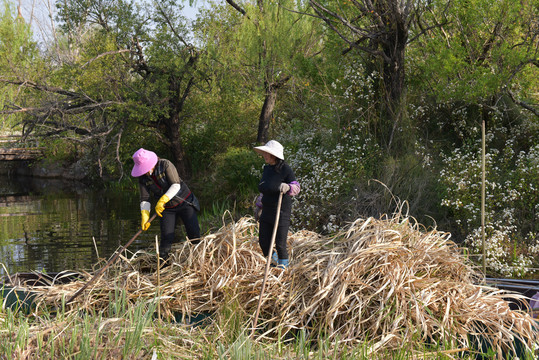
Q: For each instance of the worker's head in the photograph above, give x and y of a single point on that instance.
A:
(145, 161)
(271, 151)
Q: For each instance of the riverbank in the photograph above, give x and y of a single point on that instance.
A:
(45, 169)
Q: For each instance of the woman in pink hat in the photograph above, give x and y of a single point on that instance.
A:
(277, 178)
(159, 178)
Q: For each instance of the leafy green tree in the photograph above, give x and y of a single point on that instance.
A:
(484, 51)
(123, 67)
(482, 64)
(380, 32)
(269, 42)
(19, 59)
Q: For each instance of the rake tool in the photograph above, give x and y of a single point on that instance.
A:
(268, 262)
(109, 263)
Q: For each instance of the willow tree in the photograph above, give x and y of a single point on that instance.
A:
(381, 32)
(485, 51)
(482, 68)
(19, 58)
(268, 40)
(121, 67)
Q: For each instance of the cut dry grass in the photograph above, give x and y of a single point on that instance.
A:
(389, 282)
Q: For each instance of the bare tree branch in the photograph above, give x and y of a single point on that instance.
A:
(69, 109)
(105, 54)
(236, 6)
(523, 104)
(36, 86)
(172, 27)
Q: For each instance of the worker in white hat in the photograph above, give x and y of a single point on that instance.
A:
(277, 178)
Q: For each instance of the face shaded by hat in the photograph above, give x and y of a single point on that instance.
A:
(271, 147)
(144, 160)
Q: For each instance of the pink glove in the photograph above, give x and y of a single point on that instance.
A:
(294, 188)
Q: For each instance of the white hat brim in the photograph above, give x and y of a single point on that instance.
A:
(266, 149)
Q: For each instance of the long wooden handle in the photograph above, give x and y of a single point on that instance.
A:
(109, 263)
(268, 262)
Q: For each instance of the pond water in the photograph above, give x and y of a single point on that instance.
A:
(52, 225)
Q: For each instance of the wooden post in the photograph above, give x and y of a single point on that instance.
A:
(268, 262)
(483, 156)
(158, 278)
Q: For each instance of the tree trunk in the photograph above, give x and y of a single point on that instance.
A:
(394, 91)
(173, 125)
(176, 147)
(266, 114)
(267, 109)
(394, 47)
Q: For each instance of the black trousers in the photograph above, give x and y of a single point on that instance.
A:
(265, 231)
(188, 215)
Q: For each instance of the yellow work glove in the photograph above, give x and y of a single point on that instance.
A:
(160, 207)
(144, 224)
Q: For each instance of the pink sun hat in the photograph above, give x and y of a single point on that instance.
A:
(145, 160)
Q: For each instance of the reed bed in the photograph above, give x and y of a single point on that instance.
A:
(388, 282)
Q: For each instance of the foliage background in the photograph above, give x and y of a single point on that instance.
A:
(119, 75)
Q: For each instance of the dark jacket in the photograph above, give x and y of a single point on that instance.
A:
(164, 175)
(269, 186)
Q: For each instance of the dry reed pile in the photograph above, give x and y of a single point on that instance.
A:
(388, 281)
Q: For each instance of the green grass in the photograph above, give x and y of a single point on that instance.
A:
(221, 212)
(132, 331)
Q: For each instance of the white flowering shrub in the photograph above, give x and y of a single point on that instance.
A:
(336, 152)
(327, 167)
(511, 205)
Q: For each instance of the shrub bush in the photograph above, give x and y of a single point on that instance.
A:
(512, 203)
(236, 175)
(327, 165)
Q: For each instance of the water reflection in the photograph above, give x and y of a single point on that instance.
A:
(54, 226)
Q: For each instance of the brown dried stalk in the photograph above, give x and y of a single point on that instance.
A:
(385, 281)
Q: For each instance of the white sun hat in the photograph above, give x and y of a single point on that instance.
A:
(272, 147)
